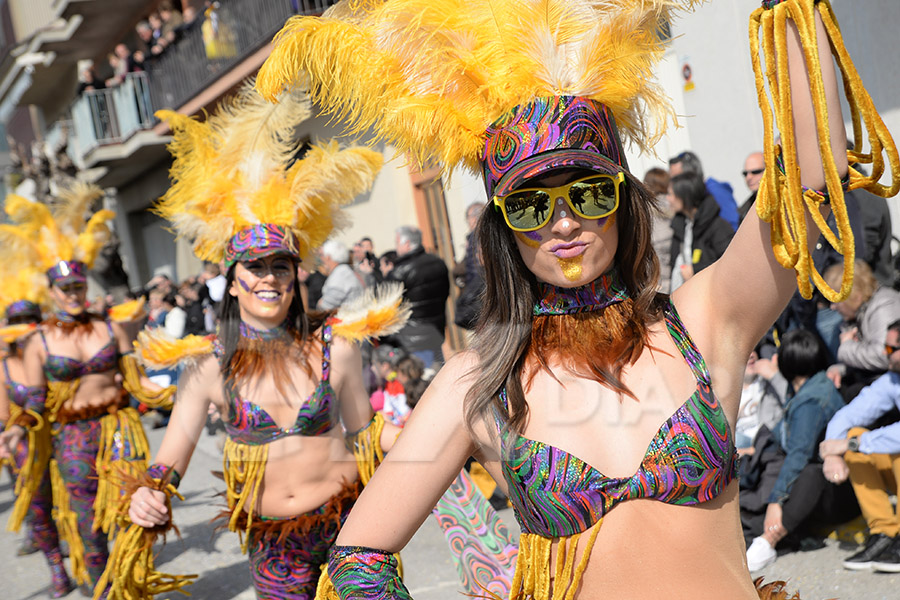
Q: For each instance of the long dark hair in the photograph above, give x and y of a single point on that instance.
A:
(504, 328)
(300, 323)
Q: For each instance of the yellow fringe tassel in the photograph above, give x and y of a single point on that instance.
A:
(781, 200)
(67, 524)
(366, 447)
(58, 393)
(532, 576)
(33, 470)
(245, 467)
(130, 571)
(119, 431)
(132, 373)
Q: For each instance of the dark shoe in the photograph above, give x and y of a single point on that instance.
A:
(875, 546)
(889, 560)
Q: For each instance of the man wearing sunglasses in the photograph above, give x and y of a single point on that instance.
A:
(862, 442)
(754, 167)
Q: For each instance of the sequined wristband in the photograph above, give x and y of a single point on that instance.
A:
(159, 471)
(823, 194)
(360, 573)
(35, 399)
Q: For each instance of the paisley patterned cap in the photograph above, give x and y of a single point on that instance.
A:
(67, 271)
(260, 240)
(547, 134)
(23, 308)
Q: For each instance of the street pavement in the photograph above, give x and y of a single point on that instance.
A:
(430, 572)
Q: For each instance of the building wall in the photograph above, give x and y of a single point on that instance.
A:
(30, 15)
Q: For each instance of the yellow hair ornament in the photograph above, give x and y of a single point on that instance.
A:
(782, 201)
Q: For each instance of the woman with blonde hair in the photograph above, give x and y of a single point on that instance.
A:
(867, 312)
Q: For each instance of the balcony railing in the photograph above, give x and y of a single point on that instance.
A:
(209, 49)
(112, 115)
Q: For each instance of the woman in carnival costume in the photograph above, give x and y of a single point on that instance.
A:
(284, 380)
(573, 394)
(73, 367)
(23, 293)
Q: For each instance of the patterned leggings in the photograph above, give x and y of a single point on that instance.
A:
(41, 527)
(75, 447)
(286, 555)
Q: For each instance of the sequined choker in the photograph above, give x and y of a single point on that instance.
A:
(602, 292)
(279, 332)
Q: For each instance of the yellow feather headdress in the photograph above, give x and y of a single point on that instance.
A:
(234, 190)
(431, 76)
(24, 287)
(64, 239)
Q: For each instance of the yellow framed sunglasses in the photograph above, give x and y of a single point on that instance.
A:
(592, 197)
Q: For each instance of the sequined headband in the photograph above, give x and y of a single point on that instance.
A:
(546, 134)
(260, 240)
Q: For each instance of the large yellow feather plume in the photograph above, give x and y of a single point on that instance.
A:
(65, 231)
(233, 171)
(429, 76)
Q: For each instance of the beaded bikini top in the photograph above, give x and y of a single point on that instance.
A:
(690, 460)
(249, 423)
(66, 368)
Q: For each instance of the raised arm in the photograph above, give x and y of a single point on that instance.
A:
(740, 296)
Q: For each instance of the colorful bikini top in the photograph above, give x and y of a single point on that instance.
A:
(65, 368)
(17, 392)
(249, 423)
(690, 460)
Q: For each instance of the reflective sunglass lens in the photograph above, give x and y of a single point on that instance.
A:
(593, 197)
(526, 210)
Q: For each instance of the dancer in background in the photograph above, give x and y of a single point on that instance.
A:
(23, 292)
(588, 394)
(302, 437)
(74, 366)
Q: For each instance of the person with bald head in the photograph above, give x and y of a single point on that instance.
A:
(754, 167)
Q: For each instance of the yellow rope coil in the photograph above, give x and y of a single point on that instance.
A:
(245, 467)
(67, 524)
(131, 571)
(33, 470)
(58, 393)
(366, 447)
(132, 373)
(123, 449)
(781, 200)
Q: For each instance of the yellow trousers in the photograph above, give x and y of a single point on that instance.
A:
(874, 478)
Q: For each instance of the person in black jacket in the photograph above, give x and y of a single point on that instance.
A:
(699, 235)
(426, 280)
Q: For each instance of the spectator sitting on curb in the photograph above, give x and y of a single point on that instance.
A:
(871, 460)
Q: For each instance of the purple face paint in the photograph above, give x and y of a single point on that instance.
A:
(532, 239)
(244, 285)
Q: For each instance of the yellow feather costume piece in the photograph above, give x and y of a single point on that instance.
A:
(234, 171)
(21, 270)
(157, 350)
(781, 200)
(430, 76)
(63, 232)
(13, 333)
(377, 312)
(128, 312)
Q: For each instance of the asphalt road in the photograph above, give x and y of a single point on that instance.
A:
(430, 573)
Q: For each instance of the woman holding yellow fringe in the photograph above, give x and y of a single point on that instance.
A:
(23, 292)
(288, 383)
(75, 402)
(573, 394)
